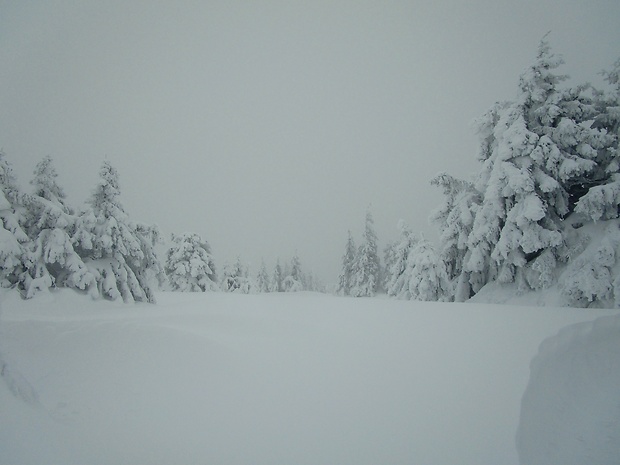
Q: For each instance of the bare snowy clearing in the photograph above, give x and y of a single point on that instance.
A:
(266, 379)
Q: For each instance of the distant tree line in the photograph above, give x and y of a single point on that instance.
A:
(45, 243)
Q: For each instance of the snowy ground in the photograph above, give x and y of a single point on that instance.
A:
(276, 379)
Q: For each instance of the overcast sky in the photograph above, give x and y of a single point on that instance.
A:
(270, 126)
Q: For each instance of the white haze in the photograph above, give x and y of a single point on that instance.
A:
(269, 127)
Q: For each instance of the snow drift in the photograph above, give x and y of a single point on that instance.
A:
(265, 379)
(570, 413)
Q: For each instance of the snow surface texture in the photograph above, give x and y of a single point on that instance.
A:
(570, 413)
(301, 378)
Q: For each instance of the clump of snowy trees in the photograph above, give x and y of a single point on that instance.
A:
(290, 278)
(361, 269)
(44, 243)
(549, 164)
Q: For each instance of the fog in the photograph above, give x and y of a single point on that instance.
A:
(269, 127)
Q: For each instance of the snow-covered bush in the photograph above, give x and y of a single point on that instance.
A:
(189, 264)
(427, 274)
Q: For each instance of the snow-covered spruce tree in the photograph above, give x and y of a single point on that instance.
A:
(367, 270)
(534, 152)
(427, 274)
(118, 252)
(189, 264)
(50, 258)
(276, 278)
(398, 285)
(294, 280)
(345, 280)
(455, 219)
(262, 278)
(12, 235)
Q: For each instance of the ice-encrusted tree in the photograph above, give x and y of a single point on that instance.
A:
(50, 258)
(455, 219)
(345, 280)
(120, 253)
(276, 279)
(12, 235)
(189, 264)
(535, 153)
(397, 286)
(367, 269)
(262, 278)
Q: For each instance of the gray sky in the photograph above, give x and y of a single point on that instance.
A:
(269, 126)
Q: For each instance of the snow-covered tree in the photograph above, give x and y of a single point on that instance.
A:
(345, 280)
(262, 278)
(118, 252)
(398, 284)
(428, 277)
(592, 278)
(534, 152)
(367, 274)
(51, 259)
(12, 235)
(294, 280)
(189, 264)
(276, 278)
(455, 218)
(235, 278)
(602, 199)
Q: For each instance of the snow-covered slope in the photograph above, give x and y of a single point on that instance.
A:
(265, 379)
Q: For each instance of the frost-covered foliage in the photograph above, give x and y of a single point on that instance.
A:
(51, 259)
(427, 277)
(603, 197)
(544, 155)
(189, 264)
(592, 278)
(533, 151)
(367, 270)
(12, 235)
(345, 280)
(455, 219)
(236, 279)
(119, 253)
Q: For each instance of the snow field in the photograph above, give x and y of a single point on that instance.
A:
(266, 379)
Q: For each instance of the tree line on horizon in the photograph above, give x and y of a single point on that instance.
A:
(549, 165)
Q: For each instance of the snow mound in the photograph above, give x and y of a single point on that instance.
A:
(570, 412)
